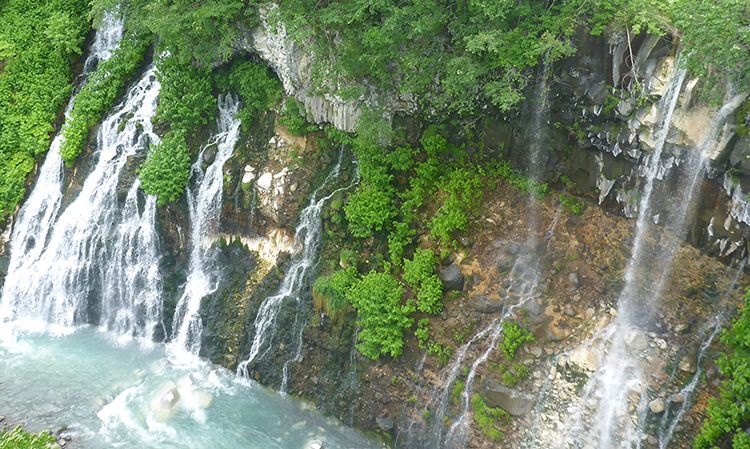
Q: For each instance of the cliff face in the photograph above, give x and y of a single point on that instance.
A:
(592, 130)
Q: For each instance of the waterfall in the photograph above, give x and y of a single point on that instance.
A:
(614, 386)
(34, 221)
(68, 262)
(308, 234)
(204, 196)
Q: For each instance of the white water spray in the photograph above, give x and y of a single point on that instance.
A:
(308, 233)
(62, 266)
(204, 199)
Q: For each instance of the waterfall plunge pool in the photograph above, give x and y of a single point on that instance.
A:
(111, 393)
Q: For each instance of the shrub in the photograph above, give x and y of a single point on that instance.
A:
(382, 317)
(21, 439)
(430, 295)
(486, 417)
(421, 267)
(167, 168)
(369, 209)
(423, 332)
(292, 117)
(329, 292)
(513, 337)
(728, 415)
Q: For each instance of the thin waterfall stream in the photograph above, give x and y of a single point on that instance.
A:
(204, 199)
(308, 235)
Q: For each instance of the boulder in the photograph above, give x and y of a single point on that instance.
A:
(636, 340)
(385, 424)
(452, 278)
(533, 306)
(657, 406)
(483, 304)
(505, 264)
(512, 401)
(689, 361)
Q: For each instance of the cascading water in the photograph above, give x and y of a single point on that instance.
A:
(619, 378)
(36, 217)
(308, 235)
(96, 260)
(204, 199)
(61, 270)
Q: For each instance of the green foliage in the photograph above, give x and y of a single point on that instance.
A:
(463, 195)
(513, 337)
(185, 99)
(441, 350)
(419, 273)
(201, 32)
(572, 203)
(486, 417)
(423, 332)
(728, 415)
(347, 257)
(38, 42)
(256, 85)
(512, 376)
(399, 238)
(382, 317)
(21, 439)
(369, 209)
(167, 168)
(293, 118)
(430, 295)
(502, 169)
(99, 94)
(458, 388)
(421, 267)
(332, 291)
(185, 104)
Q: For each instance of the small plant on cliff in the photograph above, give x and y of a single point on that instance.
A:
(329, 292)
(513, 337)
(292, 117)
(21, 439)
(729, 414)
(382, 317)
(420, 274)
(486, 417)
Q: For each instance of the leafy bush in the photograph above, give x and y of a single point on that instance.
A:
(398, 239)
(729, 414)
(419, 273)
(369, 209)
(21, 439)
(167, 168)
(486, 417)
(423, 332)
(329, 292)
(99, 94)
(185, 99)
(513, 337)
(38, 42)
(430, 295)
(420, 267)
(382, 317)
(292, 117)
(463, 188)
